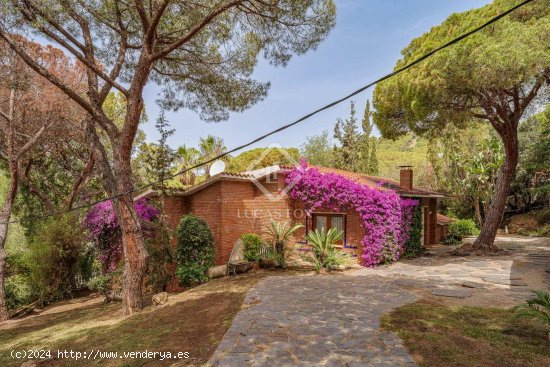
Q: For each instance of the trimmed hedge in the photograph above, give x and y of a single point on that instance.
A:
(196, 250)
(463, 227)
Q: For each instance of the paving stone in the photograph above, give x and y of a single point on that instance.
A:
(468, 284)
(328, 321)
(455, 293)
(334, 320)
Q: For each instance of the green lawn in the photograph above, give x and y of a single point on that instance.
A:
(441, 336)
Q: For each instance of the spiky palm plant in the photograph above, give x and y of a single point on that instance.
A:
(278, 233)
(326, 255)
(538, 308)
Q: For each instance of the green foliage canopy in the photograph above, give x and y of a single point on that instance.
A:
(458, 82)
(263, 157)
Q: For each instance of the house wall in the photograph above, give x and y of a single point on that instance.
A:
(231, 208)
(234, 207)
(430, 221)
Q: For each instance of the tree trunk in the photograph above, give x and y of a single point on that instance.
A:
(135, 253)
(478, 212)
(506, 174)
(135, 256)
(3, 234)
(5, 214)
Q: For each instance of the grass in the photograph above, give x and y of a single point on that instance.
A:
(194, 321)
(457, 336)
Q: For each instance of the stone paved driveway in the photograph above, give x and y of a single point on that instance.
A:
(333, 320)
(328, 320)
(501, 280)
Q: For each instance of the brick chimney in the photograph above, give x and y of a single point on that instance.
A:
(406, 177)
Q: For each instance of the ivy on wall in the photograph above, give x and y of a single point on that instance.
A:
(413, 247)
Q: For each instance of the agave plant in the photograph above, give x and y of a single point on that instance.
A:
(326, 255)
(538, 308)
(279, 233)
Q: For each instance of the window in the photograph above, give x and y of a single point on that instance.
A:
(328, 221)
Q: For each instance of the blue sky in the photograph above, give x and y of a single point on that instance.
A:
(364, 45)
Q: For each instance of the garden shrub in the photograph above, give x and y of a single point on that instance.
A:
(195, 250)
(543, 216)
(19, 291)
(545, 231)
(463, 227)
(108, 284)
(451, 240)
(252, 245)
(54, 257)
(325, 253)
(100, 283)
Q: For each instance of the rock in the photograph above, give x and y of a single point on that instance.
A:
(160, 298)
(454, 293)
(217, 271)
(468, 284)
(29, 363)
(517, 283)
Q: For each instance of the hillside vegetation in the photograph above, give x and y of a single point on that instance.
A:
(407, 150)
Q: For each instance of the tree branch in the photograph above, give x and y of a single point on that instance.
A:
(196, 29)
(33, 140)
(47, 75)
(84, 174)
(35, 190)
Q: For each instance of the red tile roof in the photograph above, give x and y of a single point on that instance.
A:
(383, 183)
(443, 219)
(371, 181)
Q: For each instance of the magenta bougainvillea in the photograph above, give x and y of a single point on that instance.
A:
(385, 216)
(104, 231)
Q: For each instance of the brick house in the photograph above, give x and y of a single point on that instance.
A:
(236, 203)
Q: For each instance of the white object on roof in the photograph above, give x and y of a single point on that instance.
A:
(216, 168)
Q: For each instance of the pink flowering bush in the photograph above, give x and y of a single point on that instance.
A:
(105, 232)
(385, 216)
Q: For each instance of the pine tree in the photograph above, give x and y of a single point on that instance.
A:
(373, 160)
(161, 157)
(345, 132)
(365, 140)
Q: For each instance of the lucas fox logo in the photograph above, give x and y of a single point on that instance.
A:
(269, 175)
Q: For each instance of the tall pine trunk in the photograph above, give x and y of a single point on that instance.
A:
(135, 253)
(135, 257)
(506, 174)
(5, 214)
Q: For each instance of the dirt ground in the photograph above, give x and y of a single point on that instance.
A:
(193, 321)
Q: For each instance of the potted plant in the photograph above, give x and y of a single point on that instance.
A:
(252, 245)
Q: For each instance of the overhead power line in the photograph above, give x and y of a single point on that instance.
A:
(303, 118)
